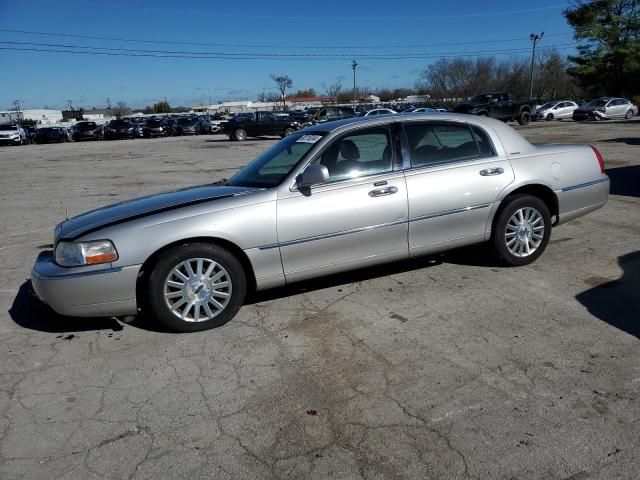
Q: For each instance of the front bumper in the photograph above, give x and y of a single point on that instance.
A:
(10, 140)
(85, 291)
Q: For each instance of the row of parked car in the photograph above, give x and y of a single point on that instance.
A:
(133, 127)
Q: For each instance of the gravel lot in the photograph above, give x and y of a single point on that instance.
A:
(444, 367)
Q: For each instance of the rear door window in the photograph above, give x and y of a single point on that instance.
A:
(436, 143)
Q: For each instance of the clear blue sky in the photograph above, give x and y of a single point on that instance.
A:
(357, 28)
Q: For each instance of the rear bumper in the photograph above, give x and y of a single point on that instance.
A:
(84, 292)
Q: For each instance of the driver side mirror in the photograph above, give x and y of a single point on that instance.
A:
(312, 175)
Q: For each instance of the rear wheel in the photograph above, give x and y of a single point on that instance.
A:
(240, 134)
(629, 114)
(524, 118)
(522, 230)
(196, 287)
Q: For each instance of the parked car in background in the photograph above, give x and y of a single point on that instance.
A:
(12, 134)
(119, 129)
(30, 132)
(329, 114)
(327, 199)
(606, 108)
(205, 124)
(258, 124)
(188, 126)
(51, 135)
(377, 111)
(300, 116)
(556, 110)
(156, 127)
(217, 123)
(138, 125)
(87, 131)
(499, 105)
(422, 110)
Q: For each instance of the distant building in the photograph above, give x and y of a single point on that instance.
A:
(41, 116)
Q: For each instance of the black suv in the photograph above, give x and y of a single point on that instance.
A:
(87, 131)
(117, 129)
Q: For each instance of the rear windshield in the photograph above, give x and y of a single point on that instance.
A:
(119, 123)
(86, 126)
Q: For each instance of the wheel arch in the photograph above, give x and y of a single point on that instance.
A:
(147, 266)
(539, 190)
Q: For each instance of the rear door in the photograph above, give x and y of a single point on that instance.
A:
(456, 172)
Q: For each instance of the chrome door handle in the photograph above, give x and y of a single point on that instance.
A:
(381, 192)
(487, 172)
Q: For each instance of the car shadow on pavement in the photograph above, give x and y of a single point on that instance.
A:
(29, 312)
(627, 140)
(617, 302)
(625, 181)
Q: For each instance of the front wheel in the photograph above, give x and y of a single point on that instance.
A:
(522, 230)
(549, 117)
(240, 134)
(196, 287)
(287, 132)
(629, 114)
(524, 118)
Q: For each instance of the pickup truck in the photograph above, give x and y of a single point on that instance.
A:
(499, 105)
(258, 124)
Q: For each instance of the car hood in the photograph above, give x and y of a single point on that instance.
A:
(143, 206)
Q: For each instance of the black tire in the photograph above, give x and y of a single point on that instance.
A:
(524, 118)
(549, 117)
(629, 114)
(499, 237)
(169, 260)
(240, 134)
(287, 131)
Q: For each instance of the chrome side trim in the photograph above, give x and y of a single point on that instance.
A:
(331, 235)
(587, 184)
(449, 212)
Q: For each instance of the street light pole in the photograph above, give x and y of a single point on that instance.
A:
(534, 38)
(354, 64)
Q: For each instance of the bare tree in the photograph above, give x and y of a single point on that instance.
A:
(333, 90)
(283, 82)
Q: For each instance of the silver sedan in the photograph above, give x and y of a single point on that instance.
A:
(326, 199)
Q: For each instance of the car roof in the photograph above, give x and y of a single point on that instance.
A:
(512, 141)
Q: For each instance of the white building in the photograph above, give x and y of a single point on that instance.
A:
(42, 116)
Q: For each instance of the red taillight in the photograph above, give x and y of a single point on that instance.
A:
(599, 157)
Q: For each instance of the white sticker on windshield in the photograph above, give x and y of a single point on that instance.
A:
(309, 138)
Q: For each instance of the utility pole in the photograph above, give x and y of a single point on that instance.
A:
(164, 106)
(354, 64)
(534, 39)
(109, 105)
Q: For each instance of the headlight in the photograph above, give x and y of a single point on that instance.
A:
(72, 254)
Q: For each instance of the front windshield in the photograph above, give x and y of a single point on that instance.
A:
(8, 127)
(119, 124)
(270, 168)
(86, 126)
(548, 105)
(596, 103)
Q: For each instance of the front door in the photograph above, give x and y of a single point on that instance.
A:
(357, 218)
(455, 176)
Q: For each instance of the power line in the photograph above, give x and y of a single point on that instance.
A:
(238, 45)
(114, 51)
